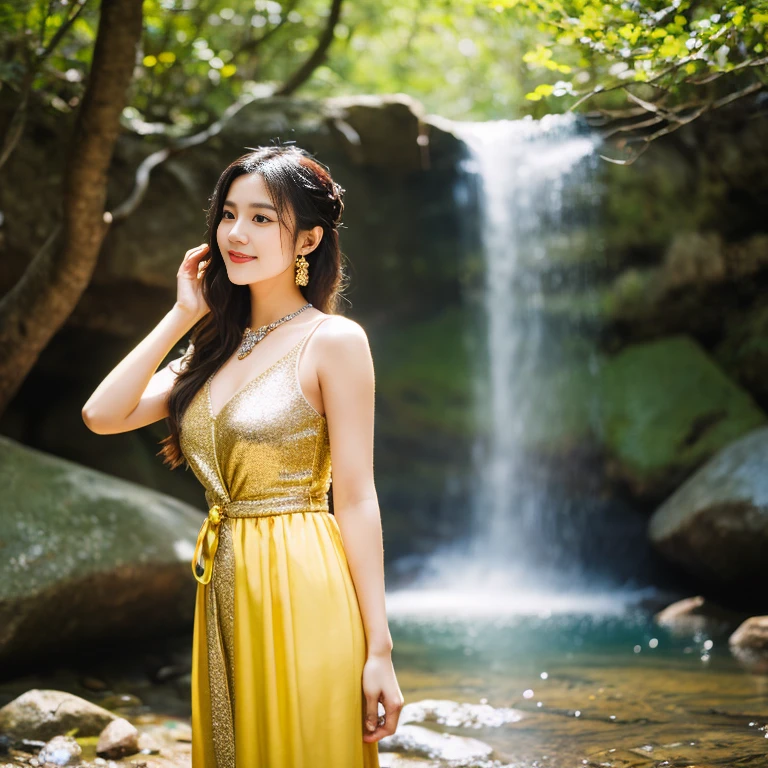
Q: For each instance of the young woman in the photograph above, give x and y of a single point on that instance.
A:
(291, 650)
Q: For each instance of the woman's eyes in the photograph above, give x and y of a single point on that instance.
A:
(259, 215)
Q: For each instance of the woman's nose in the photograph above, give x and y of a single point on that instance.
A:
(235, 233)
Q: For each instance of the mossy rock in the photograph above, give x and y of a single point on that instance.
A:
(88, 556)
(666, 408)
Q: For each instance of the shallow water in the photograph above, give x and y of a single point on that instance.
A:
(599, 684)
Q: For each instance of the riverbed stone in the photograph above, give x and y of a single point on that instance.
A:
(416, 741)
(87, 556)
(44, 713)
(60, 750)
(119, 739)
(716, 524)
(749, 644)
(666, 407)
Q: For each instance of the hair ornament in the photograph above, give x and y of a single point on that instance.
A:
(337, 196)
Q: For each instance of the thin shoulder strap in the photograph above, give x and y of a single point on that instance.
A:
(305, 340)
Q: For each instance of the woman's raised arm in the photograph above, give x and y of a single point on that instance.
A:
(135, 393)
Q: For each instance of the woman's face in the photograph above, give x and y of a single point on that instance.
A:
(249, 226)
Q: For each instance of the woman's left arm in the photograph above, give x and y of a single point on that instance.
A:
(346, 377)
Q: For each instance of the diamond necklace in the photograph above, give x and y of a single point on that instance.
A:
(251, 338)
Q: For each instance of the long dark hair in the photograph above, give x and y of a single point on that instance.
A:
(295, 181)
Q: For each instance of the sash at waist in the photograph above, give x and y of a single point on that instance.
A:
(208, 536)
(302, 500)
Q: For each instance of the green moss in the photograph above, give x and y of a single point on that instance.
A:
(424, 376)
(667, 405)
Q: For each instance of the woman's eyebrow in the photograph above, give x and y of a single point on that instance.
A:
(252, 205)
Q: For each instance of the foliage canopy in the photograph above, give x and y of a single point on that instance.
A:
(462, 58)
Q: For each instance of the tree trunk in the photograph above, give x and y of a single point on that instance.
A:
(40, 303)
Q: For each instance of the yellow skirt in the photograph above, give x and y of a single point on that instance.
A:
(278, 650)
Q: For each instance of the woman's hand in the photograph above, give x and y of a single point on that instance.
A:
(380, 684)
(189, 287)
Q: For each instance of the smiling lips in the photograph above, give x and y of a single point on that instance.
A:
(239, 258)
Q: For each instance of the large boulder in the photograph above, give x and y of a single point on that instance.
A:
(716, 524)
(666, 408)
(373, 146)
(406, 262)
(87, 556)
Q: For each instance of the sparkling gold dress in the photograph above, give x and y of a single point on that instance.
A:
(279, 645)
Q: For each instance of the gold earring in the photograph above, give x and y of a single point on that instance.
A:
(302, 270)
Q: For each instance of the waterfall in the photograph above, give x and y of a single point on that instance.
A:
(541, 537)
(526, 170)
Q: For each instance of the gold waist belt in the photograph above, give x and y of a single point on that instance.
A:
(208, 537)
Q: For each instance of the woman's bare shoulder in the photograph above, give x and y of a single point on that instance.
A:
(337, 331)
(342, 341)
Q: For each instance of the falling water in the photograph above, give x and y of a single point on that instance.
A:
(526, 170)
(537, 195)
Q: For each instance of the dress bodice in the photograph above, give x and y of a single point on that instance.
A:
(267, 445)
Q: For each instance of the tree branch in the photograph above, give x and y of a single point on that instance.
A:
(129, 205)
(304, 72)
(677, 121)
(18, 121)
(60, 32)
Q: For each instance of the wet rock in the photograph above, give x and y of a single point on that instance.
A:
(666, 407)
(88, 555)
(118, 739)
(93, 684)
(60, 750)
(166, 736)
(697, 614)
(381, 130)
(171, 672)
(753, 633)
(458, 715)
(415, 741)
(121, 701)
(148, 744)
(749, 643)
(43, 714)
(716, 524)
